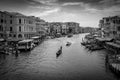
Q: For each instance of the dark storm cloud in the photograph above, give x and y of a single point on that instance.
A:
(18, 3)
(11, 3)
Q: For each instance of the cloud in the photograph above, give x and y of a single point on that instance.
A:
(110, 2)
(64, 9)
(43, 2)
(71, 3)
(104, 4)
(45, 13)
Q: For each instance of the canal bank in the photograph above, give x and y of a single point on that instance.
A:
(75, 62)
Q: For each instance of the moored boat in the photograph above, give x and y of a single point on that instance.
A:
(36, 39)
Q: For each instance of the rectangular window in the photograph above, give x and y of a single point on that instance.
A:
(19, 21)
(1, 20)
(118, 28)
(19, 28)
(10, 35)
(11, 29)
(1, 28)
(10, 21)
(10, 16)
(24, 21)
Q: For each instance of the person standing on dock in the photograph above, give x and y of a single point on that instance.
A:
(107, 58)
(5, 47)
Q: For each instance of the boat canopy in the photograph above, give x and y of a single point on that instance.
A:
(36, 37)
(25, 41)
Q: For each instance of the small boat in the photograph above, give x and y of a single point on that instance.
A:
(59, 52)
(68, 44)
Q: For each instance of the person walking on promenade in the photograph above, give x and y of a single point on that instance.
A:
(16, 50)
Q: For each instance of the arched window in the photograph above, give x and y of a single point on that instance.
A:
(20, 36)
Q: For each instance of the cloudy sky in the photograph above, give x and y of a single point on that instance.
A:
(85, 12)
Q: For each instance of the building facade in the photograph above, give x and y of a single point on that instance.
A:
(73, 27)
(41, 27)
(55, 28)
(64, 28)
(3, 25)
(110, 27)
(16, 26)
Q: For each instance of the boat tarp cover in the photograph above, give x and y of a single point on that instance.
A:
(113, 44)
(104, 39)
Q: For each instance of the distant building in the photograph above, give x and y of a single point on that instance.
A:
(41, 27)
(73, 27)
(110, 26)
(64, 29)
(55, 28)
(87, 29)
(16, 26)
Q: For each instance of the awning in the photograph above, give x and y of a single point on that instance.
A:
(1, 39)
(35, 37)
(104, 39)
(25, 41)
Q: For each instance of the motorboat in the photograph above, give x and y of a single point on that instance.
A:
(68, 44)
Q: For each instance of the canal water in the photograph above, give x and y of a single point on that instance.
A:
(75, 62)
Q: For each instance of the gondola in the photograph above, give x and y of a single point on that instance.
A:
(68, 44)
(59, 52)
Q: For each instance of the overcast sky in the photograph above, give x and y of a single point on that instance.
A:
(85, 12)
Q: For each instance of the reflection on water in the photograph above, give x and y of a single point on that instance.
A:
(74, 63)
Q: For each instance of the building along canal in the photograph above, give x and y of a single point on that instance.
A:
(74, 63)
